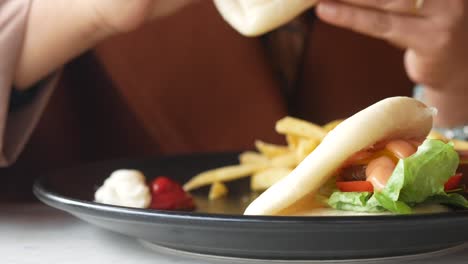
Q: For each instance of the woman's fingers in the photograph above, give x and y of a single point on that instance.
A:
(408, 7)
(399, 29)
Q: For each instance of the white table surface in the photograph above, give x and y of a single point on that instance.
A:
(35, 233)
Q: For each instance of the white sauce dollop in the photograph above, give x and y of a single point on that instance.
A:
(124, 188)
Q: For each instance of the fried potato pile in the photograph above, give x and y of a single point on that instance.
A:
(270, 162)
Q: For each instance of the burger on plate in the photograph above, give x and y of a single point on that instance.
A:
(377, 161)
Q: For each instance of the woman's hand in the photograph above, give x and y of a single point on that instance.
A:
(124, 15)
(434, 35)
(59, 30)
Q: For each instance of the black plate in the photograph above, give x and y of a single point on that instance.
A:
(219, 227)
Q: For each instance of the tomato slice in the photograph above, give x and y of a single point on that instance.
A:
(453, 182)
(355, 186)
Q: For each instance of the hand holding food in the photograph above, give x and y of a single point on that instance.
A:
(433, 33)
(255, 17)
(434, 36)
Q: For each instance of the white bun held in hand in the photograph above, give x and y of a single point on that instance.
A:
(255, 17)
(392, 118)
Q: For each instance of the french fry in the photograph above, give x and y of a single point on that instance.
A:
(251, 157)
(436, 135)
(262, 180)
(305, 147)
(223, 174)
(331, 125)
(217, 190)
(287, 160)
(460, 145)
(292, 141)
(271, 162)
(293, 126)
(270, 150)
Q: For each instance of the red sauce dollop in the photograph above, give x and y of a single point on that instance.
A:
(167, 194)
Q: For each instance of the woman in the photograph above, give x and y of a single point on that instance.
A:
(38, 37)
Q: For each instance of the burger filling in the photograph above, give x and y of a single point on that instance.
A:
(374, 165)
(397, 175)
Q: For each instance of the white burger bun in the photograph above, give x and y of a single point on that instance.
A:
(255, 17)
(392, 118)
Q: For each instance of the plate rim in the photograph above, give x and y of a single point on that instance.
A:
(58, 197)
(53, 199)
(226, 259)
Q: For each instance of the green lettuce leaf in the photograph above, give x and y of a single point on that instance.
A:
(354, 201)
(391, 205)
(423, 174)
(453, 199)
(416, 179)
(420, 176)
